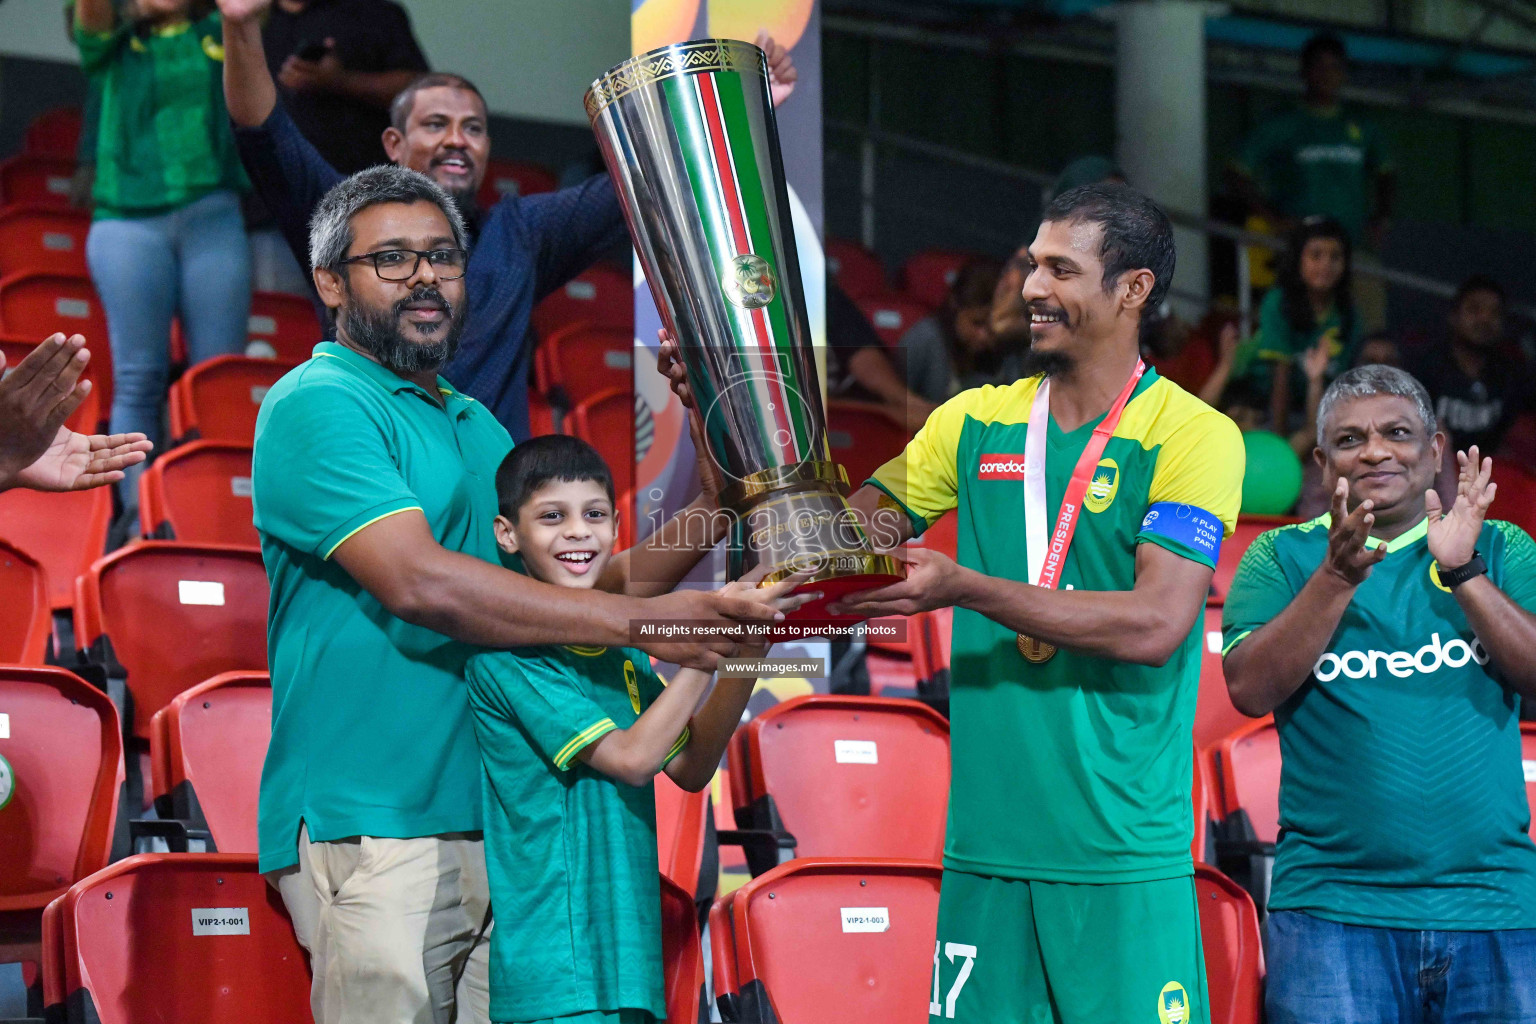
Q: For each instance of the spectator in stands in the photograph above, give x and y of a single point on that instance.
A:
(340, 64)
(1477, 380)
(37, 450)
(1394, 642)
(1318, 160)
(858, 366)
(523, 247)
(954, 349)
(1311, 306)
(168, 240)
(372, 484)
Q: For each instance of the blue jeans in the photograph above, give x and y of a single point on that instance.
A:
(1323, 972)
(193, 262)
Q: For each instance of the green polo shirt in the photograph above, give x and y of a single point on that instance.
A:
(371, 728)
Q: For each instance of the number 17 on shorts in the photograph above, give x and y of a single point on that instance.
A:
(961, 958)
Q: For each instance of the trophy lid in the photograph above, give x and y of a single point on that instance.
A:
(691, 57)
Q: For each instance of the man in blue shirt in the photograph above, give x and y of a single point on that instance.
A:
(522, 248)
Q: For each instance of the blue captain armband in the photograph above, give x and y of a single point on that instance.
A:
(1187, 526)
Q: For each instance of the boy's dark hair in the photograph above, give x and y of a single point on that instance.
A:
(1319, 44)
(539, 461)
(1137, 234)
(1478, 283)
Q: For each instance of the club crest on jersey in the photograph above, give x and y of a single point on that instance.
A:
(632, 685)
(1173, 1004)
(1000, 467)
(1104, 486)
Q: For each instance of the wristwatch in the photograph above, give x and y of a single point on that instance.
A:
(1453, 578)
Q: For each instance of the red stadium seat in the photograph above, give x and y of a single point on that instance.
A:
(1515, 499)
(1202, 802)
(58, 812)
(606, 421)
(212, 598)
(1190, 366)
(284, 324)
(207, 747)
(1249, 763)
(513, 178)
(600, 295)
(680, 827)
(52, 961)
(223, 949)
(1528, 764)
(27, 620)
(217, 400)
(90, 416)
(1232, 549)
(890, 674)
(65, 532)
(43, 239)
(892, 316)
(682, 955)
(863, 437)
(846, 776)
(541, 415)
(1215, 717)
(931, 652)
(927, 275)
(576, 362)
(856, 270)
(822, 940)
(36, 305)
(199, 493)
(36, 180)
(1234, 952)
(54, 132)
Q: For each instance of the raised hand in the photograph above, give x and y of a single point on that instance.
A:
(243, 10)
(1453, 535)
(669, 363)
(782, 74)
(36, 397)
(78, 462)
(1315, 363)
(1348, 558)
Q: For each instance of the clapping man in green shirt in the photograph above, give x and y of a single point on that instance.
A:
(374, 498)
(1394, 640)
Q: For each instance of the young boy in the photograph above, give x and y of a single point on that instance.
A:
(570, 739)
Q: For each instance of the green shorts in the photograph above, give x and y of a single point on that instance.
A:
(1020, 952)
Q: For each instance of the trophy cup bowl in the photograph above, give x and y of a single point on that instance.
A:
(689, 138)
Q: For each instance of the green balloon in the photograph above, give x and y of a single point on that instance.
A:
(1272, 481)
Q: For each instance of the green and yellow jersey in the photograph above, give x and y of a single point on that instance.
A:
(1402, 799)
(1077, 769)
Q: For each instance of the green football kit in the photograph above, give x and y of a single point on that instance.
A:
(569, 852)
(1402, 798)
(1067, 893)
(1318, 162)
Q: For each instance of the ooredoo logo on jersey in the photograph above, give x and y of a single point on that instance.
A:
(1000, 467)
(1433, 656)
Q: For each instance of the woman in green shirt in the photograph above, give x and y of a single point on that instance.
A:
(167, 239)
(1310, 305)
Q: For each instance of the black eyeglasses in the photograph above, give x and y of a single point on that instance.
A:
(401, 264)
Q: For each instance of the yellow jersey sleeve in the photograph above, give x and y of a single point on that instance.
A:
(1197, 487)
(924, 478)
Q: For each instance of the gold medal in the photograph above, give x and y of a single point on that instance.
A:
(1036, 652)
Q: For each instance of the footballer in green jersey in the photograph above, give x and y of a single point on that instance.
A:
(1067, 894)
(1394, 641)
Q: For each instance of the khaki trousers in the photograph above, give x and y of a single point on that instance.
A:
(398, 930)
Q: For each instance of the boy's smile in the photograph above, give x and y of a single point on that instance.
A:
(565, 533)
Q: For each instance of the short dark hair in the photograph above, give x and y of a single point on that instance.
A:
(541, 460)
(1478, 283)
(405, 100)
(1319, 44)
(1136, 232)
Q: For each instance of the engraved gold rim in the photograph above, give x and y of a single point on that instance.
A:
(750, 488)
(698, 55)
(871, 564)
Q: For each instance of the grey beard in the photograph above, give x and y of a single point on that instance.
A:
(377, 332)
(1052, 364)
